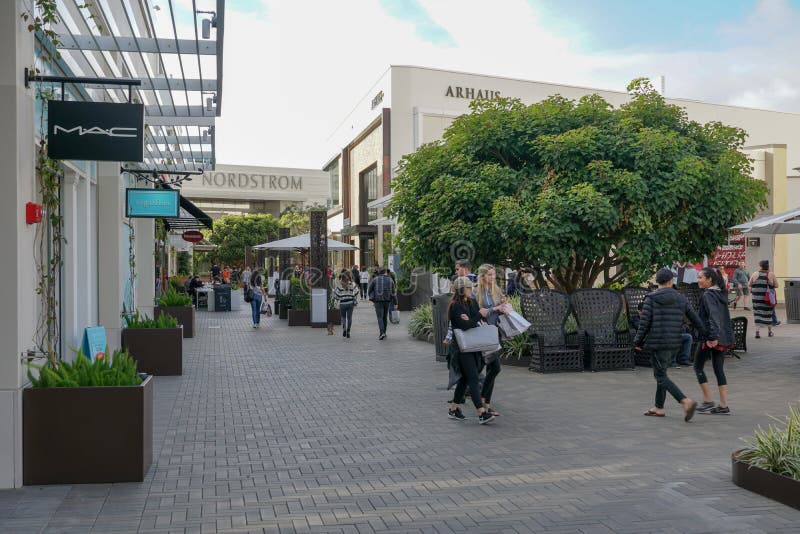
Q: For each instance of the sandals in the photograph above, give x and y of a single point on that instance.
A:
(690, 412)
(653, 413)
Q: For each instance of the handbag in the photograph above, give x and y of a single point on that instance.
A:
(771, 297)
(512, 324)
(266, 309)
(394, 317)
(248, 294)
(478, 339)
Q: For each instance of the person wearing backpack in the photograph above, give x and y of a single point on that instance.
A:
(763, 308)
(382, 292)
(257, 285)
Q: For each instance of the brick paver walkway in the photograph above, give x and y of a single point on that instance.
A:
(290, 430)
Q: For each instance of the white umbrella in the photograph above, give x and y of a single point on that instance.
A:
(787, 222)
(302, 243)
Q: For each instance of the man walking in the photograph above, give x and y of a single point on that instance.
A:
(741, 281)
(382, 292)
(660, 329)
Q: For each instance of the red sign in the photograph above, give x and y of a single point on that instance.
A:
(192, 236)
(730, 255)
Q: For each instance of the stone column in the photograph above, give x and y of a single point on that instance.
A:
(112, 253)
(145, 265)
(18, 294)
(318, 263)
(283, 261)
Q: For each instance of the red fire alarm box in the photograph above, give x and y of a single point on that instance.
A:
(33, 213)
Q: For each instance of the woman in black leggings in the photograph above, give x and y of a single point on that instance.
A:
(464, 314)
(717, 340)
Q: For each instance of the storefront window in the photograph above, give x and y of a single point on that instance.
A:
(369, 187)
(333, 173)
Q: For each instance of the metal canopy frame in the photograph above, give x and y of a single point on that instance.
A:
(138, 39)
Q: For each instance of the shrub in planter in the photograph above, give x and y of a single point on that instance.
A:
(179, 306)
(299, 312)
(420, 324)
(770, 463)
(517, 350)
(87, 422)
(155, 344)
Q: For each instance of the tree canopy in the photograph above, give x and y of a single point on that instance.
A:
(577, 191)
(233, 233)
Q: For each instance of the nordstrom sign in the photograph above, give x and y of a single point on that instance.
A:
(240, 180)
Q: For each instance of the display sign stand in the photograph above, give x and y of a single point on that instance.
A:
(94, 343)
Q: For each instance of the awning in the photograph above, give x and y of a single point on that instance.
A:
(383, 221)
(380, 202)
(191, 217)
(787, 222)
(301, 242)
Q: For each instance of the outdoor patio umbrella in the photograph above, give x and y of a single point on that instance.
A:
(787, 222)
(302, 243)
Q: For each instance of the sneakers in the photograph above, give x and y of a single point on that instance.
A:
(719, 410)
(674, 365)
(485, 417)
(776, 323)
(758, 334)
(771, 334)
(347, 333)
(382, 337)
(705, 407)
(456, 414)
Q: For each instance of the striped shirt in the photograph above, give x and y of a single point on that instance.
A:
(344, 295)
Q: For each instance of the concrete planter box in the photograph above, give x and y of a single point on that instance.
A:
(771, 485)
(157, 351)
(87, 435)
(183, 314)
(404, 302)
(299, 317)
(282, 311)
(237, 300)
(334, 317)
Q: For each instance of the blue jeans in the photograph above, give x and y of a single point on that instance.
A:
(685, 355)
(255, 305)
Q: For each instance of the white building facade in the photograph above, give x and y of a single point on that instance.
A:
(409, 106)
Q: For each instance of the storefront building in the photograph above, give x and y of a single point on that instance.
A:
(106, 261)
(238, 190)
(409, 106)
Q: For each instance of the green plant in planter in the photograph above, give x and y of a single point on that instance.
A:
(299, 294)
(776, 448)
(174, 299)
(235, 286)
(517, 347)
(120, 370)
(421, 321)
(143, 321)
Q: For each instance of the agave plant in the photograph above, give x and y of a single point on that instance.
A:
(777, 447)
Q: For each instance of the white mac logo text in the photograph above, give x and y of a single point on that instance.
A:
(117, 131)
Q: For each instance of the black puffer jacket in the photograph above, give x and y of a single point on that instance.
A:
(661, 323)
(716, 317)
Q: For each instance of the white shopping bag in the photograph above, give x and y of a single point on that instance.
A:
(513, 324)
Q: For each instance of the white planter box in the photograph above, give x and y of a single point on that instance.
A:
(237, 298)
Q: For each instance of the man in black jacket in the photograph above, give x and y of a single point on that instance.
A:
(659, 333)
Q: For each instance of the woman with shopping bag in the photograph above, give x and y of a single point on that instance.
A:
(492, 307)
(465, 318)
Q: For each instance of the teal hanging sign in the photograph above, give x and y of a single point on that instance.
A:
(94, 342)
(152, 203)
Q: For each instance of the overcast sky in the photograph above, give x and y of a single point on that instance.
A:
(293, 69)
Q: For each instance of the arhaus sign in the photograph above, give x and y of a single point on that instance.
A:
(240, 180)
(95, 131)
(470, 92)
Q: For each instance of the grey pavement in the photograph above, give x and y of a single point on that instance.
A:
(291, 430)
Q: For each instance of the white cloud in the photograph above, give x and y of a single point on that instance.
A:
(294, 72)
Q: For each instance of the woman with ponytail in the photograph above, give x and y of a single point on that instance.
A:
(715, 341)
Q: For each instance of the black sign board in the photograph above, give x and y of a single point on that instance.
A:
(95, 131)
(753, 241)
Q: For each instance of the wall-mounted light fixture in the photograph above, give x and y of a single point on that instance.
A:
(207, 24)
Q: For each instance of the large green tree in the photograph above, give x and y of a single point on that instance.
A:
(233, 233)
(578, 191)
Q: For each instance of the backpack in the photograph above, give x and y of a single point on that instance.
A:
(383, 289)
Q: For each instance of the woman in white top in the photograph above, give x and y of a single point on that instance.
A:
(364, 282)
(257, 285)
